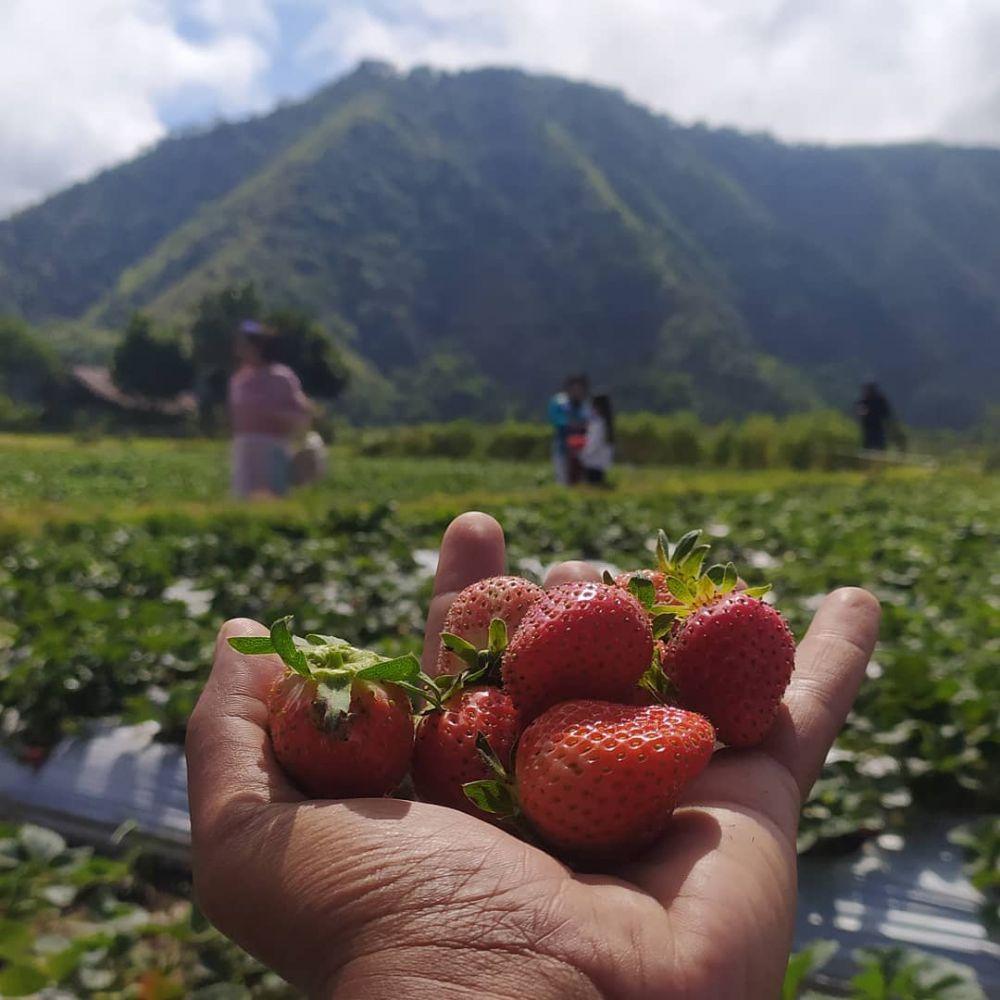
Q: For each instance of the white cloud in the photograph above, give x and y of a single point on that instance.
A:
(846, 71)
(82, 82)
(85, 83)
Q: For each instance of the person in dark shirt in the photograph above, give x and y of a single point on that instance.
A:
(874, 414)
(569, 412)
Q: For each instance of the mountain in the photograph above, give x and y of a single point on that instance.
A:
(477, 235)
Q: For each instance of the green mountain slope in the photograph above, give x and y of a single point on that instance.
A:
(493, 230)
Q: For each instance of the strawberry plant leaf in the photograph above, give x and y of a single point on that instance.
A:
(402, 668)
(758, 592)
(680, 589)
(293, 657)
(643, 591)
(729, 578)
(252, 645)
(20, 980)
(491, 796)
(607, 578)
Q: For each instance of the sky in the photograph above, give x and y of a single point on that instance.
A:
(85, 84)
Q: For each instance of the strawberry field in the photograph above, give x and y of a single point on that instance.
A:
(118, 561)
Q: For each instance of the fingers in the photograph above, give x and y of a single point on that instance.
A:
(472, 549)
(571, 572)
(829, 666)
(229, 756)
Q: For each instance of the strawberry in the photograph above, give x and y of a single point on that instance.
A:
(506, 598)
(730, 656)
(361, 753)
(580, 640)
(339, 725)
(596, 779)
(445, 754)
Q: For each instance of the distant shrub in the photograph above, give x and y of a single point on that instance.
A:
(518, 441)
(453, 440)
(459, 439)
(647, 439)
(755, 442)
(18, 416)
(823, 439)
(722, 444)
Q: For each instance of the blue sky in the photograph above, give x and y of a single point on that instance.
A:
(88, 83)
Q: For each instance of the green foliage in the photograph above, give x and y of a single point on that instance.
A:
(981, 843)
(821, 440)
(29, 370)
(18, 416)
(150, 363)
(526, 226)
(309, 351)
(217, 316)
(907, 974)
(803, 964)
(92, 925)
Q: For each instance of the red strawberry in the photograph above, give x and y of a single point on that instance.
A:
(731, 659)
(339, 725)
(580, 640)
(472, 611)
(364, 753)
(445, 755)
(600, 779)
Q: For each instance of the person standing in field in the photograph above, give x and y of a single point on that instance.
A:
(569, 412)
(267, 408)
(874, 414)
(598, 451)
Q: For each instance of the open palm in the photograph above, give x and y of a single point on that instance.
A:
(389, 898)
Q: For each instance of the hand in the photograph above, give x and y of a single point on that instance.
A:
(387, 898)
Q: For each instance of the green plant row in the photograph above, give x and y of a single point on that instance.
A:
(821, 439)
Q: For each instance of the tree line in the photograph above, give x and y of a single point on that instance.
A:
(156, 362)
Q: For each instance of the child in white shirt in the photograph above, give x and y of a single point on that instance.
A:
(598, 452)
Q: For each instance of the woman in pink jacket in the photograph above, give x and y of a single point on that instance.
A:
(267, 409)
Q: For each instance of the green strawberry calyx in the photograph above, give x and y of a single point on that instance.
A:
(689, 595)
(656, 682)
(484, 662)
(334, 665)
(496, 795)
(682, 559)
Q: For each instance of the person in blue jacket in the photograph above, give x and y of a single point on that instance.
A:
(569, 412)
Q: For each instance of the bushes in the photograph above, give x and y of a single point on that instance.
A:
(647, 439)
(820, 440)
(814, 440)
